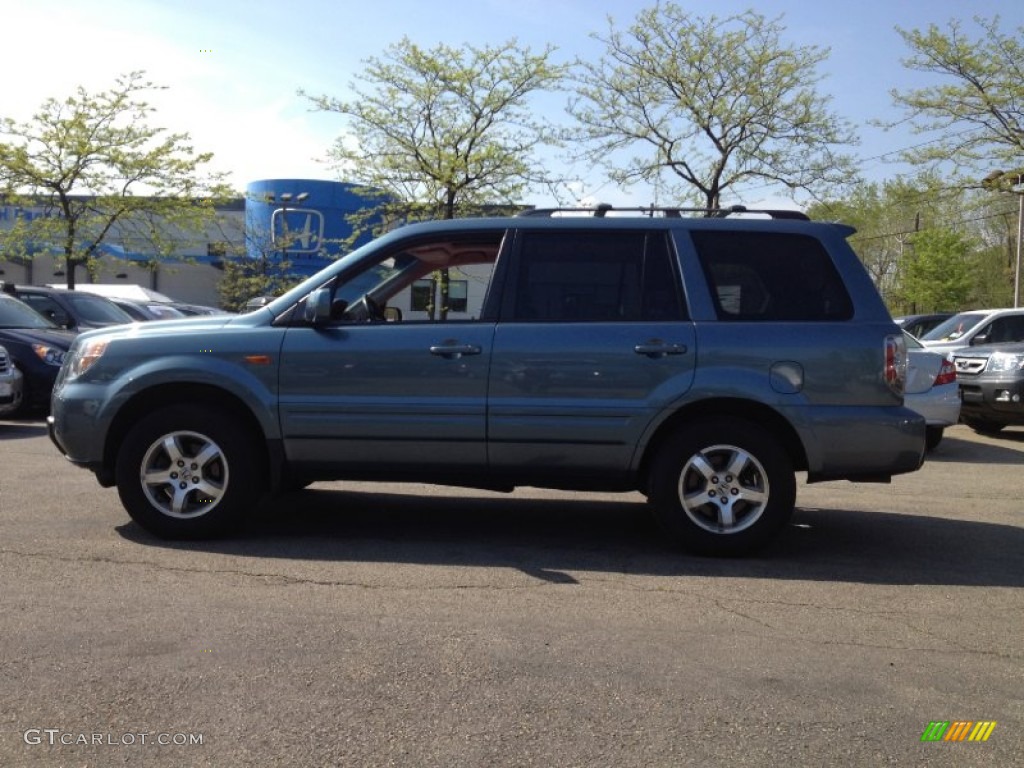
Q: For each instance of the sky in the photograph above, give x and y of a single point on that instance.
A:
(233, 68)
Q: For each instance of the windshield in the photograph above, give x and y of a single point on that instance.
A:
(164, 312)
(955, 327)
(97, 310)
(14, 314)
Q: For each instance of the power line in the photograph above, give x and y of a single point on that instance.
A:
(854, 238)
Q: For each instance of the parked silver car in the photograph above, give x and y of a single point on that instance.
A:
(10, 384)
(976, 327)
(932, 389)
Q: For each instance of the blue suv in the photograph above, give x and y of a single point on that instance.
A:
(700, 360)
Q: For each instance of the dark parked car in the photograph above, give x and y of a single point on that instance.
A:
(74, 310)
(36, 346)
(144, 311)
(992, 386)
(703, 361)
(918, 325)
(193, 310)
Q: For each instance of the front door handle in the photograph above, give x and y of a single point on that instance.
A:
(453, 351)
(656, 348)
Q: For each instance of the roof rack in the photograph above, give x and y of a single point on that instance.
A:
(669, 212)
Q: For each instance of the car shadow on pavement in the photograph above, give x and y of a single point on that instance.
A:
(1006, 448)
(21, 430)
(552, 539)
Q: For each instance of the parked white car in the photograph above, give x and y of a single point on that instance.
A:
(974, 327)
(932, 389)
(10, 384)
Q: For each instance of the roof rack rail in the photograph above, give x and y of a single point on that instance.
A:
(671, 212)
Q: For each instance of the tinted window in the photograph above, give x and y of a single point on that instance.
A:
(593, 277)
(46, 307)
(1005, 329)
(765, 276)
(14, 314)
(95, 309)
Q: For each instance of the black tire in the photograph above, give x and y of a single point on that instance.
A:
(691, 475)
(218, 476)
(984, 426)
(932, 437)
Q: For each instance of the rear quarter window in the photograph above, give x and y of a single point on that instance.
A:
(771, 277)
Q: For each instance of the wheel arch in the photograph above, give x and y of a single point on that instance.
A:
(190, 394)
(736, 408)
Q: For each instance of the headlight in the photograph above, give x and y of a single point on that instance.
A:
(86, 356)
(49, 355)
(1005, 362)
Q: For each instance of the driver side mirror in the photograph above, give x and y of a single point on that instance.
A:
(318, 307)
(320, 310)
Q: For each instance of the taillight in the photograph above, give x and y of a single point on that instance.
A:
(896, 363)
(947, 373)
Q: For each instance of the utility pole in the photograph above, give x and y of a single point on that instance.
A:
(1019, 189)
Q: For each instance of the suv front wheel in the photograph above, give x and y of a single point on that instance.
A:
(187, 472)
(722, 486)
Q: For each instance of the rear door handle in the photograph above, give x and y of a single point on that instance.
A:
(452, 351)
(656, 349)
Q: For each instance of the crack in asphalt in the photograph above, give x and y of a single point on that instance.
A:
(285, 579)
(542, 579)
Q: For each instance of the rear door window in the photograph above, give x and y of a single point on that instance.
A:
(771, 277)
(579, 276)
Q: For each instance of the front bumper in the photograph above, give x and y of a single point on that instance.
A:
(993, 399)
(11, 384)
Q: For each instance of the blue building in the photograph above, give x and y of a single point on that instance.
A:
(305, 222)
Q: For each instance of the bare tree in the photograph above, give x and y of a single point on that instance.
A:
(978, 108)
(712, 106)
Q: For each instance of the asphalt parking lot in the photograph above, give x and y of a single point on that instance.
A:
(362, 625)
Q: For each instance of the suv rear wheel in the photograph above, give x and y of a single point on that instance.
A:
(187, 472)
(722, 486)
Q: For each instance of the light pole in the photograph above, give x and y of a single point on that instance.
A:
(285, 198)
(1019, 189)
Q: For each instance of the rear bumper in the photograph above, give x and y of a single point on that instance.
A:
(868, 444)
(940, 406)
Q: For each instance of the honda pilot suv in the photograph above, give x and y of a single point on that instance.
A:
(991, 386)
(702, 360)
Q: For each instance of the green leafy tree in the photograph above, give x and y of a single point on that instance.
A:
(256, 268)
(978, 109)
(886, 216)
(715, 106)
(102, 175)
(444, 131)
(937, 274)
